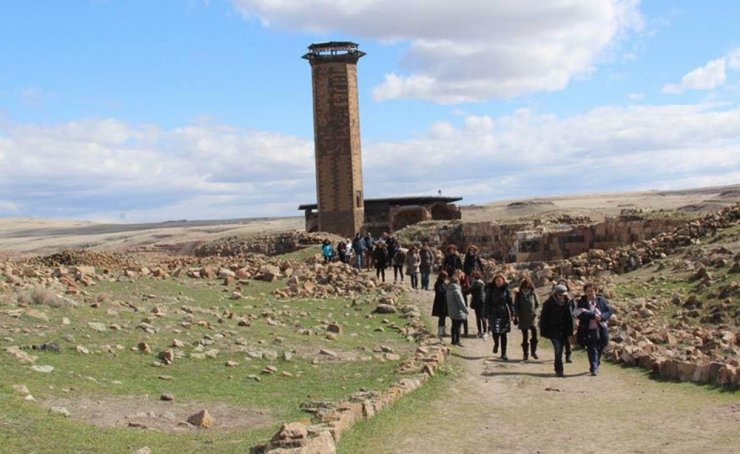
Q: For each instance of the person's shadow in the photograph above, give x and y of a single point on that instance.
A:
(530, 374)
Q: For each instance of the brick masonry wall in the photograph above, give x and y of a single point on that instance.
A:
(337, 145)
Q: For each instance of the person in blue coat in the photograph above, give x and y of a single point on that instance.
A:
(327, 250)
(593, 313)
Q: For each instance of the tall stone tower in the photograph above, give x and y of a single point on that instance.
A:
(336, 118)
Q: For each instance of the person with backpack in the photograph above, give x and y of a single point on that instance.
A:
(499, 308)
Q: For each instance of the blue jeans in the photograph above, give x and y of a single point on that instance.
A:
(425, 280)
(597, 341)
(360, 261)
(558, 344)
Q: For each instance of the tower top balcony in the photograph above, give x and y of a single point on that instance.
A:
(344, 51)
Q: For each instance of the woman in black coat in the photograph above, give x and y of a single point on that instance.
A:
(439, 308)
(556, 324)
(499, 308)
(525, 305)
(380, 260)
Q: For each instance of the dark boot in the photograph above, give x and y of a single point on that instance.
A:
(525, 351)
(503, 349)
(533, 345)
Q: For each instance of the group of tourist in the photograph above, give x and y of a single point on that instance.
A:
(386, 252)
(564, 318)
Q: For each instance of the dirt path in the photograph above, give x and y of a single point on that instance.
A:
(516, 406)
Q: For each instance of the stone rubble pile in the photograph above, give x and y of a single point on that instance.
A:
(280, 243)
(635, 255)
(675, 351)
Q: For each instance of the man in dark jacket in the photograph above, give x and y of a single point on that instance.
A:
(593, 313)
(426, 266)
(358, 246)
(556, 324)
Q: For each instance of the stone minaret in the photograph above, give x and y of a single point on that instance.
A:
(336, 118)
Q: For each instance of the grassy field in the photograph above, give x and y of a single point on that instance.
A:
(224, 347)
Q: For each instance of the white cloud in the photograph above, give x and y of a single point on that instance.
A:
(526, 153)
(468, 50)
(100, 169)
(708, 77)
(8, 208)
(733, 60)
(636, 96)
(76, 168)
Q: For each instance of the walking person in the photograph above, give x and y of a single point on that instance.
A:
(439, 308)
(413, 260)
(556, 324)
(358, 247)
(369, 248)
(327, 251)
(477, 299)
(452, 260)
(465, 286)
(399, 259)
(380, 260)
(593, 312)
(525, 308)
(342, 251)
(499, 309)
(456, 307)
(427, 265)
(570, 341)
(472, 261)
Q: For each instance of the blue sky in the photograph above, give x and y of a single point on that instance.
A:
(154, 110)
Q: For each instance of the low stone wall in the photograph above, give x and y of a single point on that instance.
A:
(330, 421)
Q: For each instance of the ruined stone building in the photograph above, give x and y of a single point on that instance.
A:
(392, 214)
(534, 242)
(341, 207)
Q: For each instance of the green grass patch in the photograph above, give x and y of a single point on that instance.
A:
(202, 315)
(404, 412)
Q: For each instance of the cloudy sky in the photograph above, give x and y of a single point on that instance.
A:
(138, 110)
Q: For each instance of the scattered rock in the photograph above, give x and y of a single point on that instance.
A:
(202, 419)
(62, 411)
